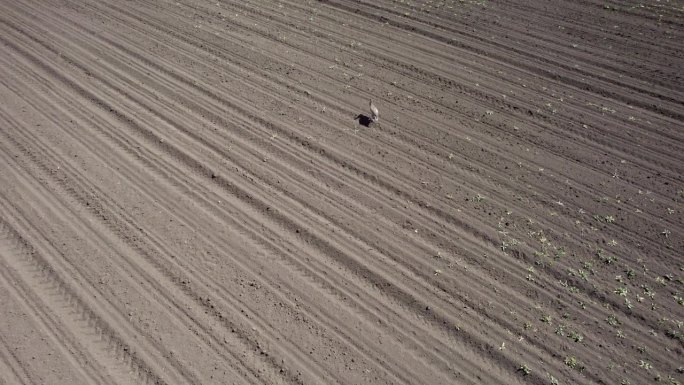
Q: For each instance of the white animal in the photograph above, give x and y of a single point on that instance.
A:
(375, 115)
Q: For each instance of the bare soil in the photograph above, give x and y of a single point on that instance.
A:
(193, 192)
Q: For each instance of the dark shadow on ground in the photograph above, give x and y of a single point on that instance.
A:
(363, 120)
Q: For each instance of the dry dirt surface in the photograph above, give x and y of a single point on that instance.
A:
(192, 192)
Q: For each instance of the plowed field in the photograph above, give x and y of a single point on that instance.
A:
(194, 192)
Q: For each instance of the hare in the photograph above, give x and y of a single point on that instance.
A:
(375, 115)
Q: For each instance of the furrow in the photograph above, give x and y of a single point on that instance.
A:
(193, 226)
(100, 355)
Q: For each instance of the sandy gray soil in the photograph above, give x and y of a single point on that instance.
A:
(191, 192)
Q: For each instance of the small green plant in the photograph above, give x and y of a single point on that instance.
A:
(559, 252)
(675, 335)
(648, 292)
(645, 364)
(621, 291)
(609, 219)
(583, 274)
(541, 254)
(629, 304)
(574, 363)
(606, 259)
(560, 330)
(612, 320)
(576, 336)
(525, 369)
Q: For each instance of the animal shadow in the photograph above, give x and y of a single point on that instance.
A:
(363, 120)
